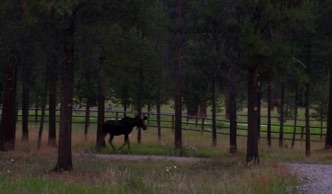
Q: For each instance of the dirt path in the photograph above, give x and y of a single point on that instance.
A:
(316, 179)
(145, 157)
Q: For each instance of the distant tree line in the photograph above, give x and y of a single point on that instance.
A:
(217, 54)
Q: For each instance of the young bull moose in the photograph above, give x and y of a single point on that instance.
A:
(123, 127)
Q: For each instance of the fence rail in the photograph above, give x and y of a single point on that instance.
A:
(196, 124)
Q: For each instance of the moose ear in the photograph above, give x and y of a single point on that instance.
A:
(145, 118)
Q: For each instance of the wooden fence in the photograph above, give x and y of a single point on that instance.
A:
(198, 124)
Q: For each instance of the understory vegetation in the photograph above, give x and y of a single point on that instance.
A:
(28, 170)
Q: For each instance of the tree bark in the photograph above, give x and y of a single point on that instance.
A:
(282, 115)
(158, 106)
(259, 98)
(178, 80)
(192, 109)
(25, 110)
(100, 121)
(307, 120)
(64, 149)
(42, 118)
(328, 139)
(87, 118)
(214, 114)
(202, 108)
(232, 119)
(269, 109)
(140, 102)
(52, 106)
(8, 117)
(36, 113)
(27, 68)
(101, 102)
(252, 141)
(295, 118)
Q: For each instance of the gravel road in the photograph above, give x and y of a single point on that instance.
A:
(145, 157)
(316, 178)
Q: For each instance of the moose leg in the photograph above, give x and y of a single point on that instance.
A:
(126, 141)
(110, 141)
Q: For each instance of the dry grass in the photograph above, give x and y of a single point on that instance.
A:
(28, 169)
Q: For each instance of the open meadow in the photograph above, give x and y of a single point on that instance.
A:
(28, 170)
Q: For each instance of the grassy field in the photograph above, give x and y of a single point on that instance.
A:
(27, 170)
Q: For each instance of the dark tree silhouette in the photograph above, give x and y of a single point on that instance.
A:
(252, 142)
(64, 149)
(328, 140)
(101, 100)
(8, 117)
(178, 80)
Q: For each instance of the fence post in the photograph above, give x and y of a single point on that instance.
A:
(116, 115)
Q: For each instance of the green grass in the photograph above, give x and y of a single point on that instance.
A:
(226, 175)
(160, 149)
(27, 170)
(31, 184)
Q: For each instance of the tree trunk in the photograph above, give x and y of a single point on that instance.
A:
(269, 109)
(100, 121)
(8, 117)
(295, 118)
(232, 119)
(281, 118)
(42, 118)
(214, 114)
(328, 139)
(202, 108)
(178, 80)
(159, 121)
(307, 120)
(26, 71)
(25, 110)
(252, 141)
(192, 109)
(52, 108)
(125, 109)
(36, 114)
(259, 98)
(87, 118)
(140, 102)
(158, 106)
(64, 149)
(101, 102)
